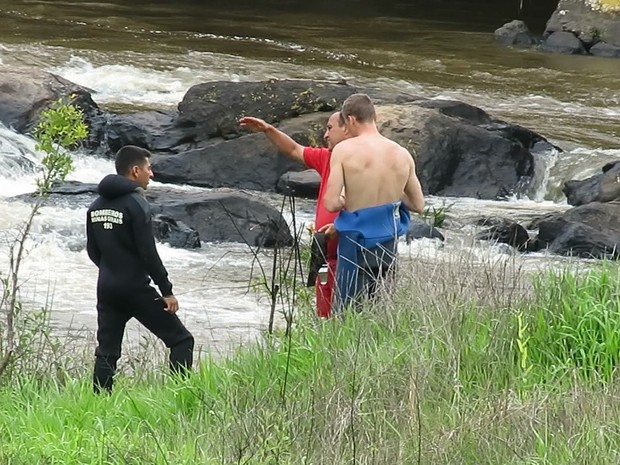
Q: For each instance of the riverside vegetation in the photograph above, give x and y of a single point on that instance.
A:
(462, 364)
(467, 361)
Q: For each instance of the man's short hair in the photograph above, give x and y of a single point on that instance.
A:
(360, 107)
(130, 156)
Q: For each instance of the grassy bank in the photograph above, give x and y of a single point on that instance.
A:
(482, 367)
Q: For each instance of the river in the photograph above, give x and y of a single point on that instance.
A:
(146, 55)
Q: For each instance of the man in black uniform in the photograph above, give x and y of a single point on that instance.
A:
(120, 242)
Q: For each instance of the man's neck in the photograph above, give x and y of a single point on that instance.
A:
(367, 129)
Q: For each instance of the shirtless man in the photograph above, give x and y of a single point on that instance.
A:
(380, 180)
(317, 158)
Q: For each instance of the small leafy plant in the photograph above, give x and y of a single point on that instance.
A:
(61, 127)
(436, 216)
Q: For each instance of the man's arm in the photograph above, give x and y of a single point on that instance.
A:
(413, 196)
(334, 199)
(145, 244)
(284, 143)
(91, 246)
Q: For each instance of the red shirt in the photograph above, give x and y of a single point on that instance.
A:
(318, 159)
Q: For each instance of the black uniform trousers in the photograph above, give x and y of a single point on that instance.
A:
(147, 306)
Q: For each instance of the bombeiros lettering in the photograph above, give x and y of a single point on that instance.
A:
(107, 216)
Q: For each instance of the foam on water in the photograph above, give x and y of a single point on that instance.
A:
(127, 83)
(148, 80)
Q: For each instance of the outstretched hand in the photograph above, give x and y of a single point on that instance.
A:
(172, 304)
(254, 124)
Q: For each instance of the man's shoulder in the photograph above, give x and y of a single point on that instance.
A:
(99, 203)
(345, 146)
(138, 198)
(391, 146)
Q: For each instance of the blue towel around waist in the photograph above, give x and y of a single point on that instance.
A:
(360, 230)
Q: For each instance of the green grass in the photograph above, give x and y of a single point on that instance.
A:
(417, 378)
(575, 325)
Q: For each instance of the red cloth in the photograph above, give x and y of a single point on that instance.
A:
(318, 159)
(324, 292)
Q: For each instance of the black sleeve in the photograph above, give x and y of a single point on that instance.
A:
(91, 245)
(145, 243)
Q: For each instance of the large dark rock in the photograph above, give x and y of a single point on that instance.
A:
(224, 216)
(74, 188)
(248, 162)
(590, 24)
(602, 187)
(221, 216)
(210, 112)
(213, 109)
(514, 33)
(504, 230)
(25, 92)
(461, 151)
(564, 42)
(175, 233)
(152, 130)
(603, 49)
(590, 231)
(303, 184)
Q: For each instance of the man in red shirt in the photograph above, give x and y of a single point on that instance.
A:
(317, 158)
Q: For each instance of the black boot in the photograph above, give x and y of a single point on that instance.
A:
(103, 376)
(182, 356)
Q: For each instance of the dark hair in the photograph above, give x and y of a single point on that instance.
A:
(360, 107)
(130, 156)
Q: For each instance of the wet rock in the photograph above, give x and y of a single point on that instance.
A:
(303, 184)
(514, 33)
(213, 109)
(175, 233)
(564, 42)
(247, 162)
(589, 231)
(74, 188)
(603, 49)
(25, 92)
(216, 216)
(505, 231)
(602, 187)
(535, 222)
(461, 151)
(152, 130)
(224, 216)
(419, 229)
(589, 22)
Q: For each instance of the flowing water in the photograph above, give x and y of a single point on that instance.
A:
(146, 55)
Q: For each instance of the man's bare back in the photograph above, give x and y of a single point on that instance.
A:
(375, 171)
(372, 169)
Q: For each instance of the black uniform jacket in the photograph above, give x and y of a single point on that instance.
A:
(120, 240)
